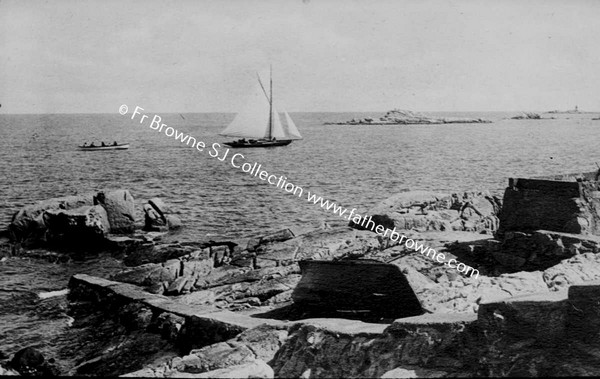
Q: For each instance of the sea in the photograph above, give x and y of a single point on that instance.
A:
(355, 166)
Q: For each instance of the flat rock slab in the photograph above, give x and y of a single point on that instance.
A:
(345, 326)
(435, 319)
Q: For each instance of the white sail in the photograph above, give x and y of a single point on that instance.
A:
(292, 131)
(277, 131)
(253, 120)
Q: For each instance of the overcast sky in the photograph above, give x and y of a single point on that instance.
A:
(201, 56)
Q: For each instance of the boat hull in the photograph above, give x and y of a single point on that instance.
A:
(356, 288)
(259, 143)
(111, 147)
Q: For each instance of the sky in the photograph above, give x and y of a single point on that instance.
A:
(87, 56)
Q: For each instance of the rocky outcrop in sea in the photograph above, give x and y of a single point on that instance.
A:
(405, 117)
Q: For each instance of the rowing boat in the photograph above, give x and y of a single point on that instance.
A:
(122, 146)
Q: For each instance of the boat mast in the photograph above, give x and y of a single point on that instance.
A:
(271, 103)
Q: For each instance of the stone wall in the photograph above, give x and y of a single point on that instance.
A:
(560, 206)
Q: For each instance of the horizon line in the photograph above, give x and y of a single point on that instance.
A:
(353, 111)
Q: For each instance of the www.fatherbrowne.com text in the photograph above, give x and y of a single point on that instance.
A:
(238, 161)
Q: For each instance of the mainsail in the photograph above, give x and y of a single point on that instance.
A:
(254, 121)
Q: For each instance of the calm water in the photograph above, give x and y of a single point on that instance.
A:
(356, 166)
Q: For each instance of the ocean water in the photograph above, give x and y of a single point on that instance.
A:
(355, 166)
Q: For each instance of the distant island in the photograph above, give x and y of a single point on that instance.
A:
(531, 116)
(404, 117)
(576, 110)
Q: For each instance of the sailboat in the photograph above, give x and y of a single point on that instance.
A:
(261, 123)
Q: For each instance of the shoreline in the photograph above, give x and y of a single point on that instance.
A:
(188, 298)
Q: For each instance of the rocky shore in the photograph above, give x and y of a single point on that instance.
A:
(404, 117)
(234, 308)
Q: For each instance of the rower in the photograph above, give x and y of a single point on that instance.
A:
(103, 144)
(115, 143)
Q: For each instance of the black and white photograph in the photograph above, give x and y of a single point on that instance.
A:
(299, 188)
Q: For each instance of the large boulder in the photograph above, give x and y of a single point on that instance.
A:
(76, 226)
(28, 226)
(120, 207)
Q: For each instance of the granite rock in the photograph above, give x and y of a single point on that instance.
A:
(120, 208)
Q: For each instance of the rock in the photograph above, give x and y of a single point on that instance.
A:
(217, 277)
(424, 210)
(120, 207)
(254, 369)
(139, 275)
(346, 348)
(197, 268)
(28, 225)
(148, 372)
(279, 236)
(30, 362)
(577, 270)
(8, 372)
(176, 287)
(252, 244)
(159, 206)
(220, 255)
(264, 340)
(168, 325)
(204, 297)
(527, 116)
(264, 290)
(173, 222)
(463, 293)
(122, 243)
(542, 317)
(153, 221)
(213, 357)
(82, 225)
(150, 253)
(173, 266)
(543, 249)
(401, 372)
(584, 312)
(406, 117)
(259, 343)
(157, 217)
(135, 316)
